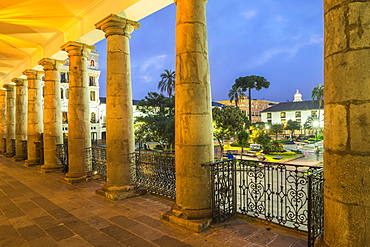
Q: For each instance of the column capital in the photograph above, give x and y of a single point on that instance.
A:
(9, 86)
(75, 48)
(33, 74)
(117, 25)
(19, 81)
(176, 1)
(2, 91)
(51, 64)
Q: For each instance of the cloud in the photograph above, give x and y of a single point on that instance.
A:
(153, 63)
(280, 18)
(316, 39)
(249, 14)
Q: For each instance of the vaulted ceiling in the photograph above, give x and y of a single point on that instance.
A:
(34, 29)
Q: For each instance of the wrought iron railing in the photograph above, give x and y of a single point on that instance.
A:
(155, 171)
(24, 149)
(274, 192)
(39, 153)
(315, 206)
(98, 161)
(13, 147)
(224, 202)
(62, 154)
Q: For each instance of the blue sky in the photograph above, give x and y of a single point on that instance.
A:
(281, 40)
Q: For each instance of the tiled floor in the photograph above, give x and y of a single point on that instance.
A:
(40, 210)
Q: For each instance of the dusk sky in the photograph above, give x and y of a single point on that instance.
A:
(281, 40)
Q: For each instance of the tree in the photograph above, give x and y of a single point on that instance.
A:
(292, 126)
(242, 138)
(167, 83)
(227, 121)
(309, 124)
(251, 82)
(318, 94)
(235, 94)
(276, 129)
(260, 137)
(157, 119)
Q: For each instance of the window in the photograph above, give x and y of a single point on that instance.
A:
(67, 93)
(297, 114)
(268, 115)
(92, 95)
(269, 121)
(63, 77)
(283, 121)
(93, 117)
(314, 113)
(92, 81)
(61, 93)
(283, 115)
(64, 117)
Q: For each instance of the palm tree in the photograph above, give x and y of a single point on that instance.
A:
(235, 94)
(167, 83)
(251, 82)
(318, 94)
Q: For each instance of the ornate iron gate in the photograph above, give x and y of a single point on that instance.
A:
(315, 206)
(24, 149)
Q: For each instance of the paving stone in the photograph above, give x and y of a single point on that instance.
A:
(146, 232)
(59, 213)
(138, 242)
(150, 221)
(31, 232)
(97, 238)
(117, 233)
(97, 222)
(36, 212)
(13, 241)
(246, 230)
(27, 205)
(300, 243)
(46, 221)
(263, 237)
(74, 241)
(166, 241)
(20, 222)
(282, 240)
(59, 232)
(123, 221)
(12, 211)
(237, 242)
(7, 231)
(45, 241)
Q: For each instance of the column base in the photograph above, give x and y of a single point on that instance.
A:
(8, 154)
(115, 193)
(196, 225)
(18, 158)
(29, 163)
(49, 170)
(74, 180)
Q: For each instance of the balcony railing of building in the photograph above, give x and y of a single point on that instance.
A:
(285, 194)
(4, 140)
(24, 149)
(13, 147)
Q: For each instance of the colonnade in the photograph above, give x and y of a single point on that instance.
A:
(347, 117)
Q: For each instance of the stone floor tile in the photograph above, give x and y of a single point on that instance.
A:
(146, 232)
(237, 242)
(45, 241)
(282, 240)
(22, 221)
(59, 213)
(7, 231)
(13, 241)
(74, 241)
(123, 221)
(100, 239)
(300, 243)
(31, 232)
(152, 222)
(262, 237)
(97, 222)
(36, 212)
(246, 231)
(166, 241)
(46, 221)
(138, 242)
(59, 232)
(117, 233)
(11, 210)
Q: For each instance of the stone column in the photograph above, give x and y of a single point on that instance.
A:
(35, 126)
(20, 116)
(79, 132)
(2, 120)
(347, 121)
(120, 133)
(10, 118)
(53, 134)
(193, 118)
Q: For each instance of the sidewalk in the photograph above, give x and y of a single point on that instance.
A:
(39, 210)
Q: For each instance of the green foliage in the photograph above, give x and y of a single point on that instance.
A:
(320, 137)
(260, 137)
(292, 126)
(242, 138)
(273, 148)
(157, 120)
(285, 153)
(276, 129)
(226, 122)
(318, 93)
(235, 94)
(251, 82)
(309, 122)
(167, 83)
